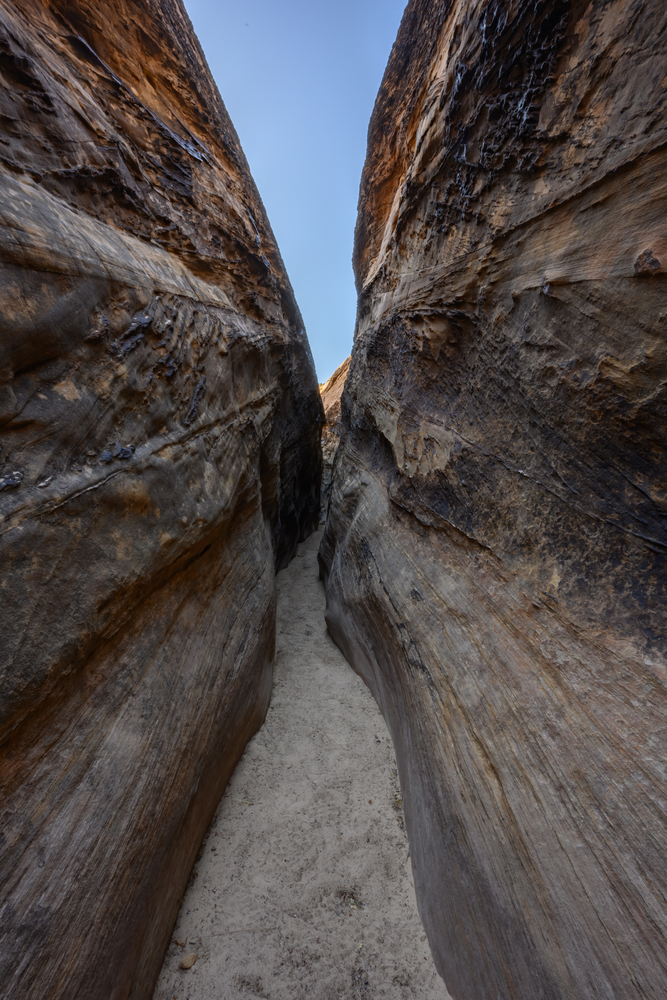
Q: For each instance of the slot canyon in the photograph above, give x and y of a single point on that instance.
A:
(354, 690)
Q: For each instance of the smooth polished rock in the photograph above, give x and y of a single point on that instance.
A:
(495, 551)
(160, 426)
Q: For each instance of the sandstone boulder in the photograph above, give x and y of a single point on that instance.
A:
(331, 392)
(160, 458)
(495, 552)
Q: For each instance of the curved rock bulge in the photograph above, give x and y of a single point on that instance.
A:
(495, 548)
(160, 459)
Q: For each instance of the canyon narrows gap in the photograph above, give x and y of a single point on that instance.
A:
(495, 491)
(303, 885)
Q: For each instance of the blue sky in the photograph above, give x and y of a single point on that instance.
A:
(299, 79)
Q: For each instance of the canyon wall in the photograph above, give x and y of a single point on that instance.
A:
(160, 459)
(331, 392)
(495, 551)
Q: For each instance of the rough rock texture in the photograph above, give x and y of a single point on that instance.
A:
(160, 425)
(495, 548)
(331, 391)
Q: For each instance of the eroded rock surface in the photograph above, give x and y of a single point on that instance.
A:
(331, 392)
(160, 425)
(495, 548)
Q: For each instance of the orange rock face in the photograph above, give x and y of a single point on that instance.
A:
(495, 552)
(160, 457)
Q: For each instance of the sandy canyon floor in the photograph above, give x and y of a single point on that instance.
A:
(303, 886)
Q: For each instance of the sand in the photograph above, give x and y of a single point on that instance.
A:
(303, 886)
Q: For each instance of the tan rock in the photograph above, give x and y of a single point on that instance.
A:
(188, 961)
(331, 392)
(160, 425)
(495, 547)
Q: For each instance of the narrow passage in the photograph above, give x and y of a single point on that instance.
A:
(303, 887)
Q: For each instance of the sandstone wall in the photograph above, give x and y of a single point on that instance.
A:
(331, 392)
(160, 458)
(495, 549)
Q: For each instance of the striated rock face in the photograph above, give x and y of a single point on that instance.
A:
(331, 391)
(160, 426)
(495, 552)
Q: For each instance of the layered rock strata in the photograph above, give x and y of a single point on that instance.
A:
(495, 552)
(160, 424)
(331, 392)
